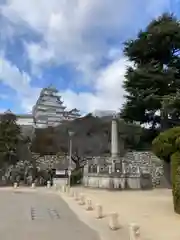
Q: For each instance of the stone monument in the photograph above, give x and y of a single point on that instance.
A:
(134, 170)
(114, 143)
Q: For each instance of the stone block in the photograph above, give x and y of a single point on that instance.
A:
(33, 185)
(60, 181)
(89, 206)
(15, 185)
(48, 184)
(76, 196)
(99, 211)
(114, 221)
(63, 188)
(133, 183)
(146, 181)
(134, 231)
(81, 199)
(71, 193)
(67, 190)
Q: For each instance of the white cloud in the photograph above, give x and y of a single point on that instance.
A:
(38, 55)
(11, 76)
(19, 81)
(78, 32)
(108, 90)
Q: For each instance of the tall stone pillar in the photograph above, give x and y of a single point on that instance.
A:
(114, 138)
(114, 142)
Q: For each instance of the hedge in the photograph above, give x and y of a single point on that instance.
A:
(175, 175)
(167, 143)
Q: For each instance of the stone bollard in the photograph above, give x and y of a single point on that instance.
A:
(15, 185)
(113, 221)
(82, 199)
(67, 190)
(33, 185)
(71, 193)
(48, 184)
(63, 188)
(134, 232)
(99, 211)
(55, 186)
(76, 196)
(89, 206)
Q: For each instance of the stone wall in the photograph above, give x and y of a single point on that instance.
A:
(60, 181)
(107, 182)
(147, 162)
(136, 170)
(49, 161)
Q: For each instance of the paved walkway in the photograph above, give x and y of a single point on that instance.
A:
(38, 216)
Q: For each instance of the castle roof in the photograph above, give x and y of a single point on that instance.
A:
(51, 88)
(8, 112)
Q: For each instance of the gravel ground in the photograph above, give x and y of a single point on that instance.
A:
(152, 210)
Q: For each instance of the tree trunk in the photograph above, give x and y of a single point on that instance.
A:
(164, 122)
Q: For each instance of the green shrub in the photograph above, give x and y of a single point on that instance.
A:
(175, 174)
(167, 147)
(167, 143)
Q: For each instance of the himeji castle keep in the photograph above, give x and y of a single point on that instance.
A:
(48, 110)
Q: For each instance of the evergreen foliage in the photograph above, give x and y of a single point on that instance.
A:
(167, 147)
(154, 74)
(9, 138)
(175, 173)
(167, 143)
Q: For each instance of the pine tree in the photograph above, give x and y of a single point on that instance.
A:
(9, 138)
(155, 72)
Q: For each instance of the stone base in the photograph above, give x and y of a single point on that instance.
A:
(113, 183)
(60, 182)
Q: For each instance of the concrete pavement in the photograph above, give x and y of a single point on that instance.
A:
(39, 216)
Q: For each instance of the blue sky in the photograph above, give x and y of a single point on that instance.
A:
(75, 45)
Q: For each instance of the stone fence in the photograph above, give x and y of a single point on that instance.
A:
(136, 170)
(118, 182)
